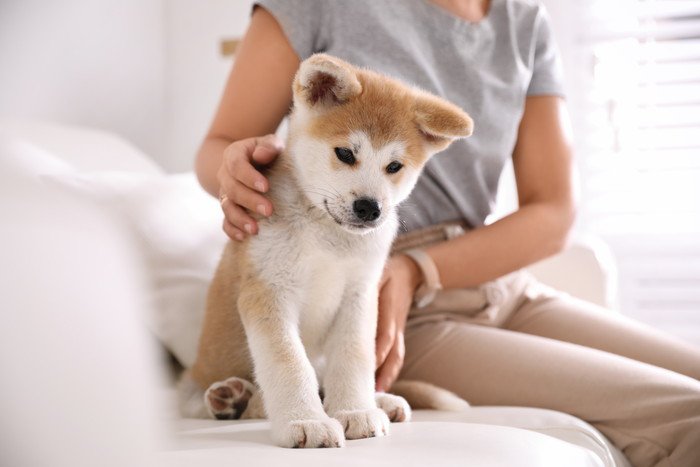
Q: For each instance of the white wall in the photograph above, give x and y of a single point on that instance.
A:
(98, 63)
(195, 70)
(150, 71)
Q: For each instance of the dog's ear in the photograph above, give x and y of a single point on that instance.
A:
(440, 122)
(323, 81)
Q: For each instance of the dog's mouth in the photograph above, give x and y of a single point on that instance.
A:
(352, 226)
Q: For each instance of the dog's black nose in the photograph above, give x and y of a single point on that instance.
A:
(366, 209)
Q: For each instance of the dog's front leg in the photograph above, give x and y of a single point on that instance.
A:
(283, 372)
(348, 381)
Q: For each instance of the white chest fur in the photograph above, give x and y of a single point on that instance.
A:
(314, 266)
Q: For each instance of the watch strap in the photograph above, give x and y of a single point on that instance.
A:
(426, 292)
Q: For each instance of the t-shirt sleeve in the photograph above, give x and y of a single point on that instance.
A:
(302, 22)
(547, 75)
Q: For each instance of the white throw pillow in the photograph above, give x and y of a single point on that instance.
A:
(178, 228)
(84, 149)
(176, 224)
(26, 160)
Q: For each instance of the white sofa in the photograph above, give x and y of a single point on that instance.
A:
(101, 251)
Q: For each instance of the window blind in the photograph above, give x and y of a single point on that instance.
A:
(644, 119)
(641, 153)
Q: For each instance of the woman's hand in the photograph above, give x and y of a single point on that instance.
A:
(399, 282)
(241, 183)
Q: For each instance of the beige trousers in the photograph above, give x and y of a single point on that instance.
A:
(517, 342)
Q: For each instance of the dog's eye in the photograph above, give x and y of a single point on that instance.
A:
(345, 155)
(393, 167)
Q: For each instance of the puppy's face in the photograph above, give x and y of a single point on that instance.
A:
(359, 140)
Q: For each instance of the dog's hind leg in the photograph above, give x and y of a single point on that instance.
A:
(255, 408)
(229, 399)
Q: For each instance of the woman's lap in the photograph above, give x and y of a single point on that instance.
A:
(559, 316)
(648, 411)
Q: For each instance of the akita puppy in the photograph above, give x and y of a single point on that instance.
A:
(295, 307)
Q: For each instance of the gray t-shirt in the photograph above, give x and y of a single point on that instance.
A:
(487, 68)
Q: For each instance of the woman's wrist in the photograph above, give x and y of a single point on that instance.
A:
(208, 162)
(414, 273)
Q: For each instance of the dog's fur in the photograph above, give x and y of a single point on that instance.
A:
(296, 305)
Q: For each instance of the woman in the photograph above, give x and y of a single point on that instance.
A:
(495, 336)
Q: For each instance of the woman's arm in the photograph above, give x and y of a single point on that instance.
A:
(539, 228)
(257, 96)
(543, 166)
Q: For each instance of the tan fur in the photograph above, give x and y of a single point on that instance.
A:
(223, 349)
(376, 108)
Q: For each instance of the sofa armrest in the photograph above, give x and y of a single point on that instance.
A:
(586, 269)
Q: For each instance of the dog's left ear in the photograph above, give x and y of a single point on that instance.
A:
(324, 81)
(441, 122)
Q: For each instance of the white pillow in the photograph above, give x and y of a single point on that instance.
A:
(178, 228)
(84, 149)
(24, 159)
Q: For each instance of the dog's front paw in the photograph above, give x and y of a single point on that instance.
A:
(363, 423)
(227, 400)
(395, 407)
(314, 433)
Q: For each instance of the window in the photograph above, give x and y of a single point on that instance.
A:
(643, 150)
(633, 68)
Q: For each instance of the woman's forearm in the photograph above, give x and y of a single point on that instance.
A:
(530, 234)
(255, 99)
(543, 166)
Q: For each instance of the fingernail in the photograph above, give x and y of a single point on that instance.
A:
(248, 228)
(260, 186)
(262, 209)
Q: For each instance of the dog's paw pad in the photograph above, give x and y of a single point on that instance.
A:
(323, 433)
(363, 423)
(395, 407)
(227, 400)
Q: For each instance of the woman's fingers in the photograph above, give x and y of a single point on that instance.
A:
(249, 199)
(242, 183)
(386, 325)
(385, 340)
(390, 369)
(232, 231)
(244, 172)
(238, 218)
(266, 150)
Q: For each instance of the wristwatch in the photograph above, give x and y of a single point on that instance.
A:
(426, 292)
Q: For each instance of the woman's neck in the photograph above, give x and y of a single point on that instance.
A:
(470, 10)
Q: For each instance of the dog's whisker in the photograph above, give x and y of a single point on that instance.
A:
(322, 190)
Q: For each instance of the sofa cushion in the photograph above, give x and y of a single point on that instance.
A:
(480, 436)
